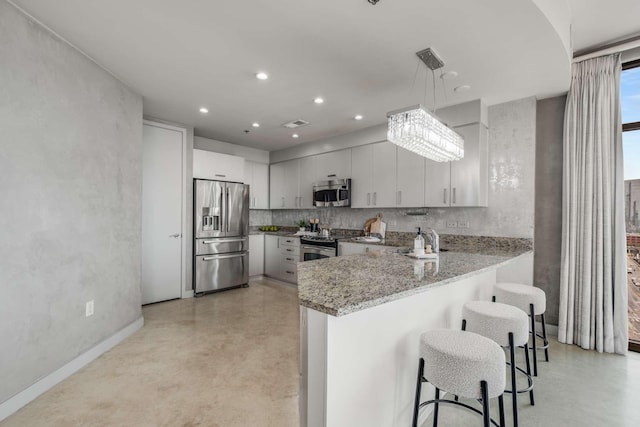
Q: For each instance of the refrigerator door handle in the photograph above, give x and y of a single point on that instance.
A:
(226, 208)
(211, 242)
(214, 257)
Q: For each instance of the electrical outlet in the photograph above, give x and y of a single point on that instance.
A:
(463, 224)
(452, 224)
(89, 309)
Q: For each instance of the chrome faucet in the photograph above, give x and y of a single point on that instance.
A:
(433, 239)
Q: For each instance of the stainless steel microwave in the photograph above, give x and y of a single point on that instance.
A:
(333, 193)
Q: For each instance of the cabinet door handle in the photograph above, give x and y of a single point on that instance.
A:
(399, 197)
(289, 250)
(289, 259)
(333, 175)
(300, 201)
(444, 197)
(368, 199)
(375, 198)
(220, 175)
(453, 196)
(290, 272)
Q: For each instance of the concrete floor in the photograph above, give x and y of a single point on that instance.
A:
(231, 359)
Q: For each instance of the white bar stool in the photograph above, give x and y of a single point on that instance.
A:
(507, 326)
(464, 364)
(531, 300)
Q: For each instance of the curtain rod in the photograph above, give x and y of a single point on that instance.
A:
(620, 46)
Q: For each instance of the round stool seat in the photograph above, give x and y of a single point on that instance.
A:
(521, 296)
(495, 321)
(457, 361)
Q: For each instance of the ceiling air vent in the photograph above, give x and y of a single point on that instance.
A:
(295, 124)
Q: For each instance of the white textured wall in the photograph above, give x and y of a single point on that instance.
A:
(70, 186)
(512, 131)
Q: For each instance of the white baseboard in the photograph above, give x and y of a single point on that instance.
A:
(19, 400)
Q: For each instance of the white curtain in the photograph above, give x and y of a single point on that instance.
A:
(593, 282)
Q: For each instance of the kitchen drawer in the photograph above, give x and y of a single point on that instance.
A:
(215, 272)
(221, 245)
(290, 257)
(290, 272)
(289, 241)
(290, 250)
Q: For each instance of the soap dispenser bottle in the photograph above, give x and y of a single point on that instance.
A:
(418, 243)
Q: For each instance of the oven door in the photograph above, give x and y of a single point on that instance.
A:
(309, 253)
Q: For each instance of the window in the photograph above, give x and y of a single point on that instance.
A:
(630, 100)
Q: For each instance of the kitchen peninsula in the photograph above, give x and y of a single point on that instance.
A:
(361, 318)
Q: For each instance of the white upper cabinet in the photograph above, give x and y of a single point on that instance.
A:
(217, 166)
(469, 176)
(373, 174)
(334, 165)
(307, 172)
(410, 179)
(257, 176)
(291, 184)
(276, 186)
(463, 182)
(437, 183)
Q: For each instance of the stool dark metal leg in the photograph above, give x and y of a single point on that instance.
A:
(501, 409)
(528, 362)
(544, 336)
(486, 417)
(514, 388)
(416, 407)
(533, 333)
(435, 409)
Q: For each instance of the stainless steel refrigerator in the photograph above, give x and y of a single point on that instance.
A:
(221, 228)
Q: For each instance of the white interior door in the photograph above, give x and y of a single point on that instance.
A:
(161, 213)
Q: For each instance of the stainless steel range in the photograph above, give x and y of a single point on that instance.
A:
(317, 247)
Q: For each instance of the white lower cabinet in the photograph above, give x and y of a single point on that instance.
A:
(256, 255)
(271, 256)
(281, 256)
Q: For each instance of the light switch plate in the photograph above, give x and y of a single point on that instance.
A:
(89, 309)
(463, 224)
(452, 224)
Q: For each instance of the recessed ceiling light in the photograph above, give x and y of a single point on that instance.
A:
(449, 75)
(318, 100)
(255, 124)
(358, 117)
(462, 88)
(262, 76)
(204, 110)
(295, 135)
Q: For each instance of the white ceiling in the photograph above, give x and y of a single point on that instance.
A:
(181, 55)
(598, 22)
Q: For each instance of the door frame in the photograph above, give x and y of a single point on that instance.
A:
(184, 293)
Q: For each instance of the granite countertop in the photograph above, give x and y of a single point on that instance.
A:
(346, 284)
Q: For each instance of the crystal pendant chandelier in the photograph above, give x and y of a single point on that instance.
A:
(420, 131)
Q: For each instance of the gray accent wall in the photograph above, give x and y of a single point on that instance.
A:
(548, 220)
(70, 202)
(512, 137)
